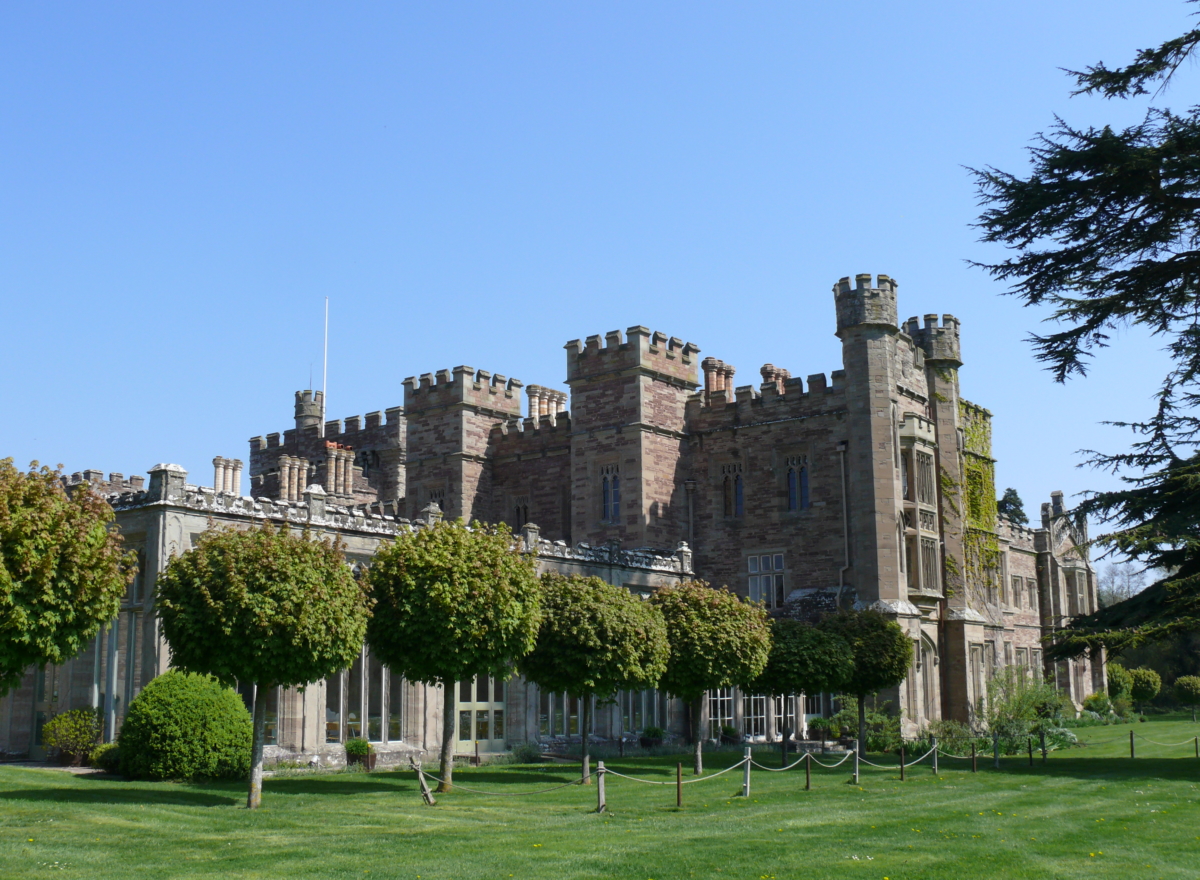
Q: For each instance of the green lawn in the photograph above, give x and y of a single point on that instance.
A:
(1086, 813)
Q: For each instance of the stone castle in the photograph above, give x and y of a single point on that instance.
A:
(872, 486)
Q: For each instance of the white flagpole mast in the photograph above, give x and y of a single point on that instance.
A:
(325, 369)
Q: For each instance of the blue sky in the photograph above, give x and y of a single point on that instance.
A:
(183, 184)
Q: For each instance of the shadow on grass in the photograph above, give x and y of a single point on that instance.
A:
(118, 793)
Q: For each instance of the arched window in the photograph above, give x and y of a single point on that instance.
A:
(616, 497)
(610, 494)
(739, 500)
(606, 506)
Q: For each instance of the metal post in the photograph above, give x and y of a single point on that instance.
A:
(996, 748)
(679, 785)
(1043, 747)
(901, 763)
(746, 775)
(974, 762)
(1132, 752)
(600, 804)
(933, 742)
(808, 772)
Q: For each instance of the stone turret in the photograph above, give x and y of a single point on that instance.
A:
(864, 304)
(940, 342)
(310, 407)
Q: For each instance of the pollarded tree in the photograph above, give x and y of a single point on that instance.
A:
(716, 640)
(62, 572)
(453, 603)
(882, 653)
(1187, 692)
(804, 659)
(1146, 685)
(263, 606)
(595, 639)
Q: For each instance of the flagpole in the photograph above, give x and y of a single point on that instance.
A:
(325, 370)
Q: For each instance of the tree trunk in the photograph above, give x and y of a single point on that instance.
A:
(254, 799)
(586, 712)
(862, 723)
(697, 739)
(449, 728)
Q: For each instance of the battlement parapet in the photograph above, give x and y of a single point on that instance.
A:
(523, 430)
(940, 342)
(646, 558)
(863, 303)
(641, 349)
(776, 399)
(463, 386)
(116, 483)
(348, 428)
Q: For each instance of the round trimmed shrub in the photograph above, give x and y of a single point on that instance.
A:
(107, 757)
(1146, 684)
(186, 727)
(1120, 682)
(74, 734)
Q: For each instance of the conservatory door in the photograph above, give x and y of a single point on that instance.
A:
(481, 715)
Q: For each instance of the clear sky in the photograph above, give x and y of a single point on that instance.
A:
(181, 186)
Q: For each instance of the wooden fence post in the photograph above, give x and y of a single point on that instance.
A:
(746, 775)
(808, 772)
(933, 741)
(601, 806)
(901, 763)
(1132, 752)
(856, 755)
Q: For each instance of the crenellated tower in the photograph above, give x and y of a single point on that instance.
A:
(628, 399)
(450, 416)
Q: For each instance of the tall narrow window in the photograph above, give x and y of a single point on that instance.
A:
(727, 495)
(793, 489)
(610, 494)
(804, 505)
(739, 496)
(797, 482)
(333, 708)
(395, 705)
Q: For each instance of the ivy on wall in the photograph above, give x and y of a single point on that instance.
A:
(981, 547)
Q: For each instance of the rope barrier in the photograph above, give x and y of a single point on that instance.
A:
(846, 757)
(612, 772)
(457, 787)
(1186, 742)
(920, 759)
(779, 769)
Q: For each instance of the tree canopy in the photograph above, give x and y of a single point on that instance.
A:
(595, 639)
(453, 603)
(804, 659)
(1102, 231)
(62, 570)
(716, 640)
(882, 653)
(262, 606)
(1011, 506)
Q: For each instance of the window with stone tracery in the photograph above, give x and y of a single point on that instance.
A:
(797, 482)
(610, 493)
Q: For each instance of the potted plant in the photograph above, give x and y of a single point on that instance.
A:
(359, 751)
(651, 737)
(729, 735)
(818, 728)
